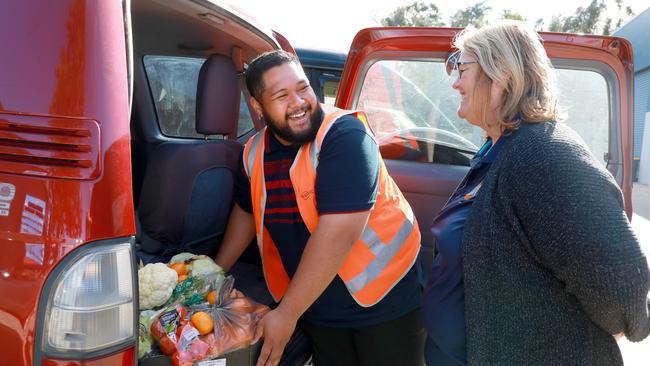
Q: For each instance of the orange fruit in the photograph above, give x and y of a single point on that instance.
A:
(179, 267)
(211, 297)
(202, 321)
(181, 278)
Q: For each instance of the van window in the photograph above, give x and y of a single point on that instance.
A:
(325, 83)
(330, 88)
(413, 111)
(173, 82)
(583, 96)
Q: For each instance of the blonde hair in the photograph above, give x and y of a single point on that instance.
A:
(511, 54)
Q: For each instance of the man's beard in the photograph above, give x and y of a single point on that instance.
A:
(283, 130)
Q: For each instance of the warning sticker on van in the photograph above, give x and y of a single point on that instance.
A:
(7, 193)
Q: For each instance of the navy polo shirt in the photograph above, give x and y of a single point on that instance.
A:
(443, 300)
(347, 178)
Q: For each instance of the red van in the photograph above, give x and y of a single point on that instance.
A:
(121, 122)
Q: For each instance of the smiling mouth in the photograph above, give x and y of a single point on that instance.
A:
(299, 119)
(299, 114)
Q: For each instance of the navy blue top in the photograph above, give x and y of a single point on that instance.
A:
(346, 181)
(443, 301)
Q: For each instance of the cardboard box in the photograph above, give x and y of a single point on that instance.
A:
(242, 357)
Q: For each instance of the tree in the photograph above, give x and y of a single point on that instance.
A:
(472, 15)
(624, 14)
(556, 24)
(509, 14)
(539, 24)
(585, 20)
(417, 14)
(607, 28)
(588, 20)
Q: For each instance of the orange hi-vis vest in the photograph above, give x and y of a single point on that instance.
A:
(388, 246)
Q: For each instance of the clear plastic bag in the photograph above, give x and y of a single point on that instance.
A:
(203, 276)
(177, 337)
(194, 289)
(145, 339)
(235, 319)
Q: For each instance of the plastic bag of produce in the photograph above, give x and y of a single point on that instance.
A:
(177, 337)
(235, 318)
(145, 339)
(222, 320)
(198, 275)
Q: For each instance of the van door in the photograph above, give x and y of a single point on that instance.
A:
(397, 76)
(67, 275)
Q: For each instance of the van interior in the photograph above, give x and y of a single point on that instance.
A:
(189, 121)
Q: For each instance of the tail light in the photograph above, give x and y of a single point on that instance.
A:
(90, 304)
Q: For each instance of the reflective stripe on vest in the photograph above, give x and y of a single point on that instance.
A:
(384, 252)
(388, 246)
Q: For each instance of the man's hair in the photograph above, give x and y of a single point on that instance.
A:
(260, 65)
(512, 54)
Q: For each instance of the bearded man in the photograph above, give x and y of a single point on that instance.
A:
(337, 238)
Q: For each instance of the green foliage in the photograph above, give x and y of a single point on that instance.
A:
(417, 14)
(589, 20)
(607, 28)
(509, 14)
(556, 24)
(624, 15)
(585, 20)
(472, 15)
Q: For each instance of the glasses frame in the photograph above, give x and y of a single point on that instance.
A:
(452, 64)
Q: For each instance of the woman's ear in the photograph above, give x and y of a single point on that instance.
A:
(497, 92)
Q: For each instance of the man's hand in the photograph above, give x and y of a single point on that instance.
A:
(276, 328)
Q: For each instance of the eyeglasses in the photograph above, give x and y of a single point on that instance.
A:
(452, 64)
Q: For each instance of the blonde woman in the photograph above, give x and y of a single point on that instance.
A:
(537, 262)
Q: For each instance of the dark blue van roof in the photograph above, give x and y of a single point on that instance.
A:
(322, 59)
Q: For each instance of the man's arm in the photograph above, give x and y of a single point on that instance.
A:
(239, 233)
(324, 254)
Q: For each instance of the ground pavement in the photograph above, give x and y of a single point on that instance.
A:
(638, 354)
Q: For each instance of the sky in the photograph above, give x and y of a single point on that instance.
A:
(332, 24)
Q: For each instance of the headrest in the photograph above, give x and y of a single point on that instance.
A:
(217, 97)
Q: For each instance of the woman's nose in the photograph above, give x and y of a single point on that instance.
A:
(456, 83)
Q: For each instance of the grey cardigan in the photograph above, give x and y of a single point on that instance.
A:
(552, 268)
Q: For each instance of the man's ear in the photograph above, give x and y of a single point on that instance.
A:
(257, 107)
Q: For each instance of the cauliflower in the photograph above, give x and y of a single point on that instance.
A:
(156, 282)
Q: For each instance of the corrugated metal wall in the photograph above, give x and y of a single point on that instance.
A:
(641, 106)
